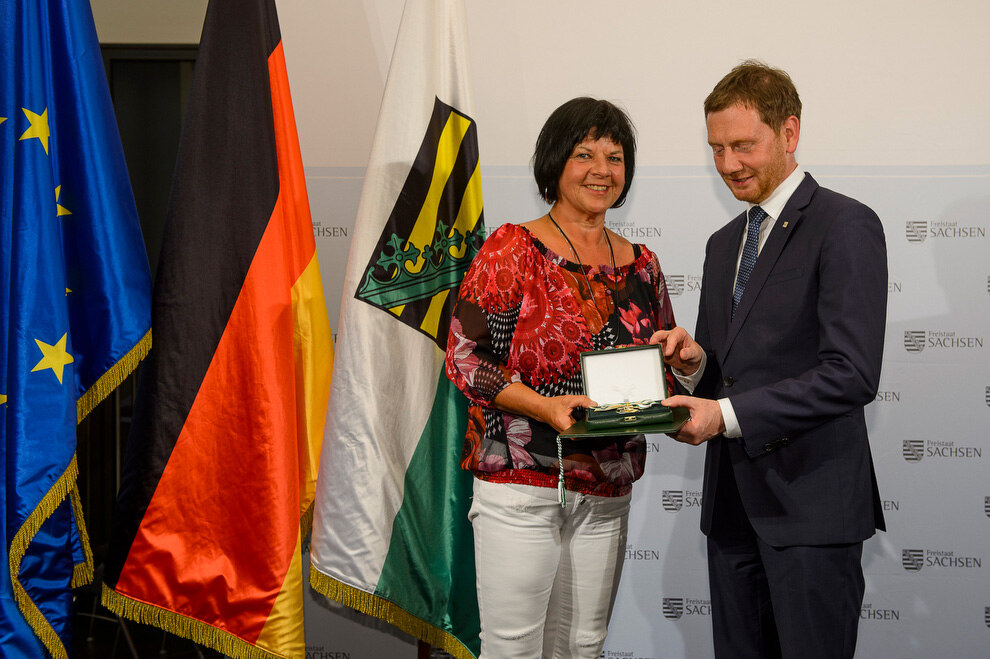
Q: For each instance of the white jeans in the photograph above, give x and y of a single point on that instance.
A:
(547, 576)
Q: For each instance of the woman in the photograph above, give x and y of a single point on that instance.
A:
(537, 295)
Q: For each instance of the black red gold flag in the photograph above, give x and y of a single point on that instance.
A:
(221, 461)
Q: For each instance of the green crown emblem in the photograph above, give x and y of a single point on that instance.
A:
(405, 273)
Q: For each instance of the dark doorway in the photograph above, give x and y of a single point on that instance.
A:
(149, 87)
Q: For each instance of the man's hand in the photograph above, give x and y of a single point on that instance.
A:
(705, 421)
(679, 349)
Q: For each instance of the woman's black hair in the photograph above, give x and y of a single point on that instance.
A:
(568, 126)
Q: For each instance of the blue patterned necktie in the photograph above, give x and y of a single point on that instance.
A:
(748, 260)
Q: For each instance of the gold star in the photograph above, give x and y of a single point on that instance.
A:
(3, 119)
(55, 357)
(62, 210)
(3, 397)
(39, 127)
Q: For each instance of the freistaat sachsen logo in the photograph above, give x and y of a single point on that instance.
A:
(916, 231)
(913, 450)
(675, 284)
(940, 560)
(673, 608)
(434, 230)
(914, 340)
(913, 559)
(878, 613)
(672, 500)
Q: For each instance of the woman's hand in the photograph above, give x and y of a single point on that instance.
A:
(556, 411)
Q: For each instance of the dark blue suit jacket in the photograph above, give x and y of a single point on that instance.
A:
(799, 361)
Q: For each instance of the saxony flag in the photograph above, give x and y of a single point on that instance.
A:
(390, 533)
(221, 461)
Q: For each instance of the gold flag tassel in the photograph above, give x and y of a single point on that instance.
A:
(64, 487)
(113, 378)
(383, 609)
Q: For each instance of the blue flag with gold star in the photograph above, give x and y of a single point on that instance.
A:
(75, 291)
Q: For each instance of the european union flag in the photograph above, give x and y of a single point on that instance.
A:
(75, 291)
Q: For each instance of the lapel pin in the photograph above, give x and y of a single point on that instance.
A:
(785, 224)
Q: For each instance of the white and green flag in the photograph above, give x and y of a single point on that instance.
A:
(390, 533)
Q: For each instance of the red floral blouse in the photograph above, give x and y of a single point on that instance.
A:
(524, 315)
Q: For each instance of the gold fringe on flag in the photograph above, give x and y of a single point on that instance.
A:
(306, 521)
(383, 609)
(65, 484)
(82, 573)
(184, 626)
(112, 379)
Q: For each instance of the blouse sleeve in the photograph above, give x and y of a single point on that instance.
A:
(665, 320)
(490, 292)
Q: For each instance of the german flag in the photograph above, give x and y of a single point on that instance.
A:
(221, 462)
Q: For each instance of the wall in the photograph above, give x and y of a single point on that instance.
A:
(148, 21)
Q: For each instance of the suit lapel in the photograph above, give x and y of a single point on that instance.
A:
(782, 230)
(723, 278)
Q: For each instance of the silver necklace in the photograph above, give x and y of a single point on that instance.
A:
(607, 321)
(561, 486)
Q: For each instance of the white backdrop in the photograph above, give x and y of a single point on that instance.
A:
(897, 110)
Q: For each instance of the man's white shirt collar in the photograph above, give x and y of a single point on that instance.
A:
(774, 204)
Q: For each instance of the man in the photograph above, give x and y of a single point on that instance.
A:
(787, 354)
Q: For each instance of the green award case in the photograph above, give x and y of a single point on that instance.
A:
(628, 385)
